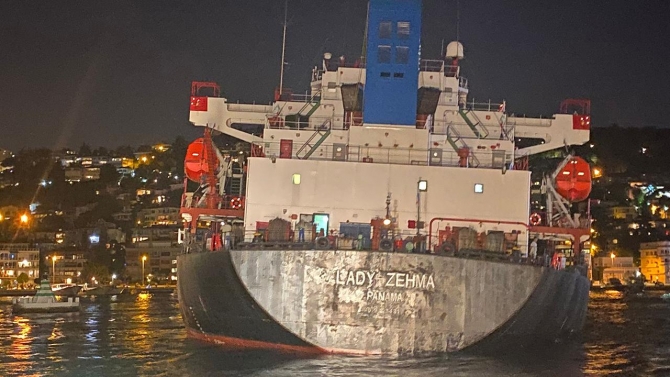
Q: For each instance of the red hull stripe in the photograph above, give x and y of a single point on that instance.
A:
(246, 344)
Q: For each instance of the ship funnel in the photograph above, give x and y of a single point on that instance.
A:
(455, 50)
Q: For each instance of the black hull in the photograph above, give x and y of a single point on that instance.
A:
(218, 306)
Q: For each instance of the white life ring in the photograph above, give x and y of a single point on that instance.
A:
(236, 203)
(535, 219)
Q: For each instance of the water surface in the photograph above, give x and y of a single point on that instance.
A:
(143, 335)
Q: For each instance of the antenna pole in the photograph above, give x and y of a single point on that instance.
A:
(458, 20)
(283, 51)
(365, 36)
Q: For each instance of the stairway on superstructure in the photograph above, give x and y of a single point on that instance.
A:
(300, 120)
(477, 127)
(311, 144)
(236, 181)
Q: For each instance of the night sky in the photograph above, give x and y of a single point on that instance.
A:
(118, 72)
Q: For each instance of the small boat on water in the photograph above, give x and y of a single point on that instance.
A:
(101, 291)
(67, 290)
(44, 301)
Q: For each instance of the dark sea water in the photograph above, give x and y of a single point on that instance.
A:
(142, 335)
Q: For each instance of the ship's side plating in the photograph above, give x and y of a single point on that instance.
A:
(364, 302)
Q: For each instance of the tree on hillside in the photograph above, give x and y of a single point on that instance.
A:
(85, 150)
(108, 175)
(124, 151)
(94, 270)
(118, 257)
(101, 151)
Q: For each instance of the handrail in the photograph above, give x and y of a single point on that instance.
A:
(386, 155)
(315, 100)
(484, 106)
(249, 108)
(431, 65)
(290, 239)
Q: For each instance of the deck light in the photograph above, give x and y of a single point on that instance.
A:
(423, 185)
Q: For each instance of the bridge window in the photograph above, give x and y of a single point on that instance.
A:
(402, 54)
(385, 29)
(403, 29)
(385, 74)
(384, 54)
(398, 75)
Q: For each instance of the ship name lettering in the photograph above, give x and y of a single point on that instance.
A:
(367, 278)
(356, 278)
(409, 280)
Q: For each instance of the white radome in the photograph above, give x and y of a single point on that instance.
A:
(455, 50)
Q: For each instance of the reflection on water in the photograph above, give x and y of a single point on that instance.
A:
(142, 335)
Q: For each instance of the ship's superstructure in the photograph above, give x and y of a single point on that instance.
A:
(384, 154)
(391, 117)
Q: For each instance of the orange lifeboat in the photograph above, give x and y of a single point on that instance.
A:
(195, 162)
(573, 182)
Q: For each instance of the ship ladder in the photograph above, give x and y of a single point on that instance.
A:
(298, 119)
(311, 145)
(235, 186)
(454, 139)
(477, 127)
(314, 101)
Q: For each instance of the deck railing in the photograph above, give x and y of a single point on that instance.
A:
(405, 242)
(384, 155)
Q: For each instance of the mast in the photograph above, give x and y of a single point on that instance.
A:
(283, 50)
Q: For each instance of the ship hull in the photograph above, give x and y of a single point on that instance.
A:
(369, 302)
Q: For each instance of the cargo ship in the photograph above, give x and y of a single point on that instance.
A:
(384, 212)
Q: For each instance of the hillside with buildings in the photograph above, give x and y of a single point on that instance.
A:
(92, 215)
(99, 212)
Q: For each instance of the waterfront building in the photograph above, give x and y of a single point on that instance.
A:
(158, 216)
(160, 265)
(79, 174)
(17, 259)
(655, 260)
(65, 267)
(605, 268)
(623, 212)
